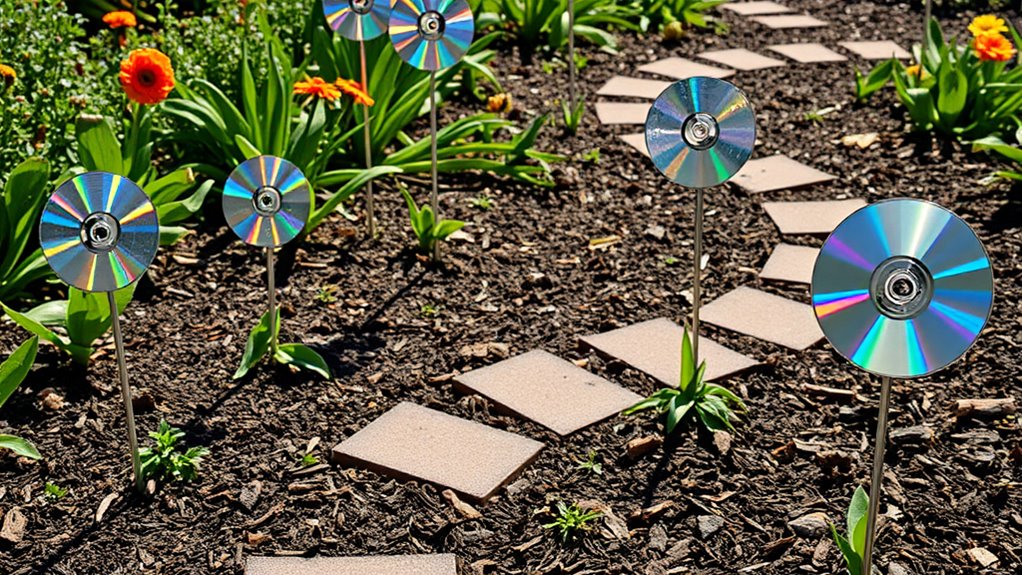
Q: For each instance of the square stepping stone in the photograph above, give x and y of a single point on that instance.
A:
(755, 8)
(654, 347)
(637, 141)
(383, 565)
(683, 68)
(622, 112)
(818, 218)
(544, 388)
(633, 87)
(808, 52)
(411, 442)
(877, 50)
(778, 172)
(790, 263)
(789, 21)
(741, 59)
(765, 316)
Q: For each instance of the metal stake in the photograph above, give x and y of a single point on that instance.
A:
(696, 275)
(115, 322)
(270, 260)
(433, 200)
(926, 37)
(571, 55)
(878, 475)
(370, 212)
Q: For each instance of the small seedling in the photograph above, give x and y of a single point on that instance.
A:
(592, 156)
(308, 460)
(670, 260)
(424, 224)
(482, 202)
(712, 403)
(293, 354)
(54, 492)
(819, 115)
(573, 117)
(571, 520)
(590, 464)
(852, 548)
(326, 294)
(429, 310)
(165, 462)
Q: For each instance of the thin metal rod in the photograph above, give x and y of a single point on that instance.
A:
(926, 36)
(129, 411)
(433, 200)
(370, 212)
(571, 56)
(697, 296)
(878, 475)
(272, 289)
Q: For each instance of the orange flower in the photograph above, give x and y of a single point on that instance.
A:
(7, 76)
(355, 90)
(319, 88)
(120, 19)
(147, 76)
(993, 47)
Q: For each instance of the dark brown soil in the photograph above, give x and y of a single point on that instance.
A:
(187, 330)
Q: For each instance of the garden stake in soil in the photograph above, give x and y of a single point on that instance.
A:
(572, 89)
(699, 133)
(901, 288)
(99, 233)
(432, 35)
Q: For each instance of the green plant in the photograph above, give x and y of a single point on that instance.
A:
(429, 310)
(1010, 152)
(592, 156)
(660, 13)
(712, 403)
(83, 317)
(590, 464)
(544, 23)
(24, 196)
(54, 492)
(293, 354)
(164, 461)
(12, 372)
(308, 460)
(483, 202)
(853, 546)
(570, 520)
(327, 294)
(573, 116)
(424, 224)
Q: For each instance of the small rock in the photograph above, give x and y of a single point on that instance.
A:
(680, 550)
(51, 399)
(810, 526)
(708, 525)
(722, 441)
(14, 526)
(822, 552)
(656, 231)
(464, 509)
(658, 538)
(983, 557)
(250, 494)
(895, 568)
(915, 435)
(257, 539)
(834, 463)
(640, 446)
(477, 535)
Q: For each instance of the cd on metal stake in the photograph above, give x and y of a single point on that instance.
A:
(902, 288)
(357, 19)
(267, 201)
(99, 232)
(700, 132)
(431, 34)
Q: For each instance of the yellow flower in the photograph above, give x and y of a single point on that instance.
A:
(500, 103)
(7, 76)
(987, 24)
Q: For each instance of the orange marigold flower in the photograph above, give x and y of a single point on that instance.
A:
(120, 19)
(147, 76)
(355, 90)
(987, 24)
(319, 88)
(7, 76)
(993, 47)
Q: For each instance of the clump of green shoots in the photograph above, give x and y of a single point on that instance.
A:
(854, 545)
(54, 492)
(573, 116)
(165, 461)
(326, 294)
(429, 310)
(590, 463)
(308, 460)
(712, 404)
(570, 520)
(483, 202)
(424, 224)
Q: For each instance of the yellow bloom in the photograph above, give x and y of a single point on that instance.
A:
(7, 76)
(987, 24)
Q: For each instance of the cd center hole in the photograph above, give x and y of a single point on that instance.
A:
(700, 131)
(267, 201)
(99, 232)
(431, 25)
(902, 288)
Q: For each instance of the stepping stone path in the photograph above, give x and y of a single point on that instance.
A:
(654, 347)
(784, 22)
(812, 218)
(777, 172)
(808, 52)
(622, 112)
(741, 59)
(383, 565)
(755, 8)
(682, 68)
(637, 141)
(633, 87)
(411, 442)
(765, 316)
(790, 263)
(548, 390)
(877, 50)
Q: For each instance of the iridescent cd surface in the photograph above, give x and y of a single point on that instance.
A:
(902, 288)
(267, 201)
(431, 34)
(99, 232)
(357, 19)
(700, 132)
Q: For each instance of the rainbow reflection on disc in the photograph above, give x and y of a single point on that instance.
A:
(431, 34)
(267, 201)
(700, 132)
(99, 232)
(357, 19)
(902, 288)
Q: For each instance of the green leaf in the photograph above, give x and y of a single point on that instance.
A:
(858, 510)
(88, 314)
(445, 228)
(688, 361)
(257, 346)
(49, 313)
(19, 446)
(177, 211)
(247, 148)
(852, 559)
(303, 357)
(170, 235)
(35, 328)
(98, 147)
(346, 191)
(15, 368)
(24, 196)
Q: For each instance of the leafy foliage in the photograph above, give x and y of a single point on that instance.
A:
(295, 354)
(24, 197)
(427, 229)
(853, 546)
(590, 463)
(711, 403)
(573, 117)
(164, 461)
(571, 520)
(54, 492)
(662, 13)
(12, 372)
(544, 23)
